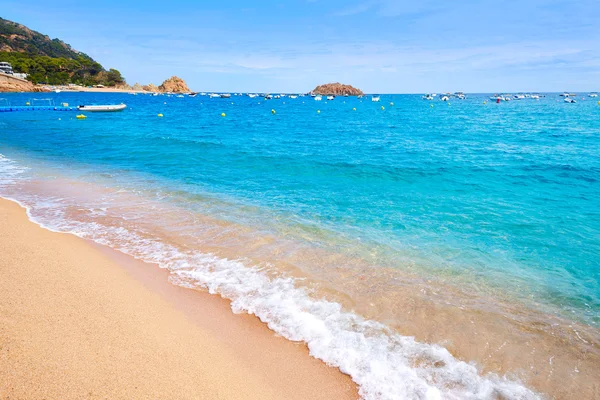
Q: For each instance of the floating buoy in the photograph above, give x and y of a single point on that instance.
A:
(272, 111)
(27, 104)
(391, 104)
(318, 111)
(159, 115)
(448, 103)
(223, 115)
(431, 105)
(65, 104)
(165, 102)
(382, 107)
(599, 103)
(354, 109)
(485, 102)
(81, 116)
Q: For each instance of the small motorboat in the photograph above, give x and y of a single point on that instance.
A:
(318, 98)
(427, 97)
(226, 96)
(569, 100)
(593, 94)
(103, 108)
(293, 96)
(330, 97)
(375, 99)
(445, 98)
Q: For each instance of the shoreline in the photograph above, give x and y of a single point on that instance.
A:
(539, 356)
(83, 320)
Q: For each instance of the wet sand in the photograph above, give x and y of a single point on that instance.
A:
(81, 321)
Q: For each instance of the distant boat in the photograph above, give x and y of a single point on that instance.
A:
(277, 96)
(375, 99)
(252, 95)
(427, 97)
(213, 95)
(445, 98)
(519, 96)
(569, 100)
(330, 97)
(460, 95)
(593, 94)
(57, 91)
(105, 108)
(535, 96)
(318, 98)
(226, 95)
(181, 96)
(293, 96)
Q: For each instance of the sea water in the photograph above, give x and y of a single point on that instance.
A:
(290, 206)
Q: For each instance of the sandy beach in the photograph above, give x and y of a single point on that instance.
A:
(81, 321)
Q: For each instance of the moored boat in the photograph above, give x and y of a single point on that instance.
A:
(103, 108)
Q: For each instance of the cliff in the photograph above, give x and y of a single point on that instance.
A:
(11, 84)
(174, 85)
(337, 89)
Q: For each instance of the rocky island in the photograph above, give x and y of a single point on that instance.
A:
(337, 89)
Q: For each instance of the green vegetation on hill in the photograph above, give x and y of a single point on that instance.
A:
(50, 61)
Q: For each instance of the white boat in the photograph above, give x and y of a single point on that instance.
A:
(569, 100)
(445, 98)
(105, 108)
(460, 95)
(519, 96)
(226, 96)
(293, 96)
(213, 95)
(252, 95)
(593, 94)
(330, 97)
(535, 96)
(318, 98)
(375, 99)
(427, 97)
(181, 96)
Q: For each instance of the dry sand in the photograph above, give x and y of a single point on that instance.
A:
(78, 321)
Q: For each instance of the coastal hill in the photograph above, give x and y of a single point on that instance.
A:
(50, 61)
(337, 89)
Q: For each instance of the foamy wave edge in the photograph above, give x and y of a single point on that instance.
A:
(384, 364)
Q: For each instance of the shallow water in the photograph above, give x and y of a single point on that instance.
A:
(416, 217)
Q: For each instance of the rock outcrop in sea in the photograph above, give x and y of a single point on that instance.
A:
(174, 85)
(337, 89)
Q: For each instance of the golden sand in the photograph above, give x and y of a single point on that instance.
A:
(80, 322)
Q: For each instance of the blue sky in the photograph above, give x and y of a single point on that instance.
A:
(380, 46)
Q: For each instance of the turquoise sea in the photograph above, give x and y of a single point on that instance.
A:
(289, 213)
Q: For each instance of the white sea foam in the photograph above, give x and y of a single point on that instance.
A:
(385, 365)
